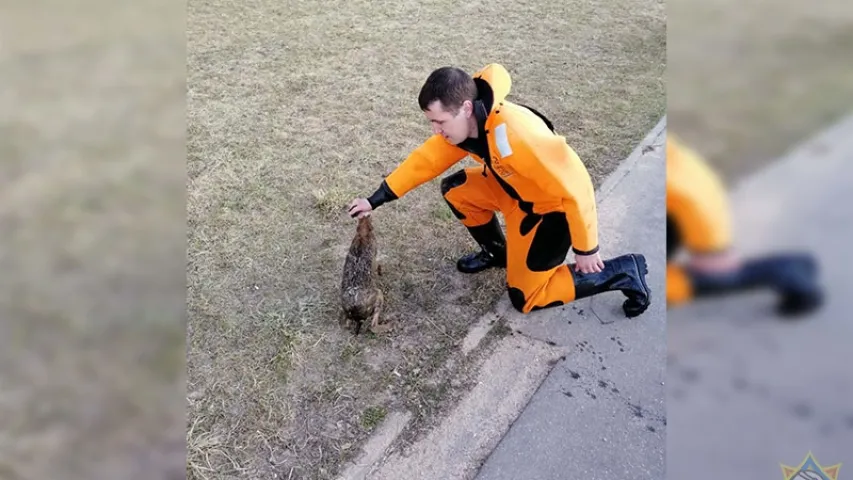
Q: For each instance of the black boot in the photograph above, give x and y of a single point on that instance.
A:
(792, 276)
(627, 274)
(492, 245)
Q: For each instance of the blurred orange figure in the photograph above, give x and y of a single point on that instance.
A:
(699, 226)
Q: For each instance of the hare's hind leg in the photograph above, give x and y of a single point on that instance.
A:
(377, 312)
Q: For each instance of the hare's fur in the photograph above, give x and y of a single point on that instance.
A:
(361, 299)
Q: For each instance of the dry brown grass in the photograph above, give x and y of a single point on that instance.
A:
(748, 80)
(294, 110)
(92, 313)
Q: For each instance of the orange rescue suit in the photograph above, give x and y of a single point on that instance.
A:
(698, 215)
(531, 176)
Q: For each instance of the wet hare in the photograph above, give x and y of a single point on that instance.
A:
(360, 297)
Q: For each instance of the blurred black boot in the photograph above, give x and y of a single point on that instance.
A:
(792, 276)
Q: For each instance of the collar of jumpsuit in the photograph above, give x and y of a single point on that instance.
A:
(479, 145)
(493, 85)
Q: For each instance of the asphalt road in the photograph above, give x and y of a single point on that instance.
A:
(748, 392)
(600, 414)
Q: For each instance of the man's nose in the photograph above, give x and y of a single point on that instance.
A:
(436, 129)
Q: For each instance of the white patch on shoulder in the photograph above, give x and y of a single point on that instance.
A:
(502, 141)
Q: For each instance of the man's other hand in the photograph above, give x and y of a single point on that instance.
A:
(719, 262)
(589, 263)
(359, 208)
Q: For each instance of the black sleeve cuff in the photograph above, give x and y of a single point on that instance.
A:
(382, 195)
(581, 252)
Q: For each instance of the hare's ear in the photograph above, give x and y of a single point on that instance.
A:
(379, 269)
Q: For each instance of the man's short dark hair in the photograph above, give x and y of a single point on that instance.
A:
(451, 85)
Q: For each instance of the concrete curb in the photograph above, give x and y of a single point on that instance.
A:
(376, 446)
(758, 200)
(505, 382)
(374, 455)
(625, 167)
(821, 142)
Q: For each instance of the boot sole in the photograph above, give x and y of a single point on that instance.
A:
(471, 272)
(643, 269)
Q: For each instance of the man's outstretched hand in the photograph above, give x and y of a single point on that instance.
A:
(359, 208)
(588, 263)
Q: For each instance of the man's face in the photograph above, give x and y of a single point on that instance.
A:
(454, 128)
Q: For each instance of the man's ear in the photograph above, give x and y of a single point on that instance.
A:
(468, 108)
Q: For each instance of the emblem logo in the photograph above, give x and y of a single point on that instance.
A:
(809, 469)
